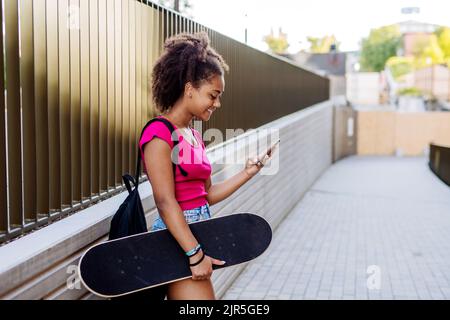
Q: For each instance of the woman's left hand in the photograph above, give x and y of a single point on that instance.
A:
(255, 164)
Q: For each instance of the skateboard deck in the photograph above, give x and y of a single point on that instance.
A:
(122, 266)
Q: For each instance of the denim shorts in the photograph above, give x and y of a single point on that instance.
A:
(191, 215)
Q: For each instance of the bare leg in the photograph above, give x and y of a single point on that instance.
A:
(189, 289)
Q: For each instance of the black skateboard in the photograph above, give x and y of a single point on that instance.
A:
(138, 262)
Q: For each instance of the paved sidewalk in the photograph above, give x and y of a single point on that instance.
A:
(369, 228)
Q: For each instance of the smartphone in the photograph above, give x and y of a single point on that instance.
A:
(269, 152)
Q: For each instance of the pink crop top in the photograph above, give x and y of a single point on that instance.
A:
(190, 191)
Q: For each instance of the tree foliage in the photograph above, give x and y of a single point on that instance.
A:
(433, 51)
(277, 44)
(400, 66)
(381, 44)
(443, 38)
(323, 45)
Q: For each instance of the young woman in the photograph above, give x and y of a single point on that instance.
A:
(187, 83)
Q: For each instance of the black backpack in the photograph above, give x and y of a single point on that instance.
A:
(129, 219)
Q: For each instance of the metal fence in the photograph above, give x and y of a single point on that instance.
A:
(75, 95)
(440, 162)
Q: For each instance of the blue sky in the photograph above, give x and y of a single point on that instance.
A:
(348, 20)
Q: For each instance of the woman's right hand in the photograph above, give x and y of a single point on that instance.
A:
(203, 270)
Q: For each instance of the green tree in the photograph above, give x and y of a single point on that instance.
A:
(277, 44)
(427, 51)
(381, 44)
(433, 51)
(421, 41)
(323, 45)
(400, 66)
(443, 35)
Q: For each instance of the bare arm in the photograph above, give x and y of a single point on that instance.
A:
(221, 191)
(158, 162)
(160, 173)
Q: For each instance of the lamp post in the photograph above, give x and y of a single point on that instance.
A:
(245, 22)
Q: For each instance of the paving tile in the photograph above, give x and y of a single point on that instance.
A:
(369, 228)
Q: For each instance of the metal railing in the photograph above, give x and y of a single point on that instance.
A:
(75, 95)
(440, 162)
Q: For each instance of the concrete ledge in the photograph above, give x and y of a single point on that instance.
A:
(38, 266)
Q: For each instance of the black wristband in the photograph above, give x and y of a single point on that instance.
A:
(198, 262)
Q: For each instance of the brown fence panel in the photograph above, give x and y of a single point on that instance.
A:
(3, 192)
(78, 94)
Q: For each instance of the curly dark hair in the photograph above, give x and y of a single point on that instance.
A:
(186, 58)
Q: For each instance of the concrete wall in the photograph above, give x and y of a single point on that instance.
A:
(338, 85)
(363, 88)
(391, 132)
(42, 264)
(344, 131)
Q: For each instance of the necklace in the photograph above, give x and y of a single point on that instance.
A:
(191, 139)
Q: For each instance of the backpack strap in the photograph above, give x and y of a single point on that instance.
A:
(127, 179)
(171, 128)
